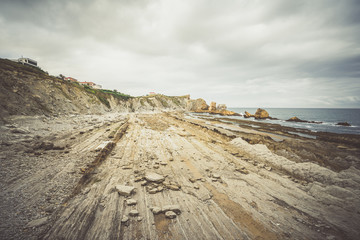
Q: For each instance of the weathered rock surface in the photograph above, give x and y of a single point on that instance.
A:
(261, 114)
(291, 189)
(124, 190)
(154, 177)
(212, 107)
(248, 115)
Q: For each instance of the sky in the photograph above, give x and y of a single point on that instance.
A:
(242, 53)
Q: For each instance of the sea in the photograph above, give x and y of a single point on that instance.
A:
(329, 116)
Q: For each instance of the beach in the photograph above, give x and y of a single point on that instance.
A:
(119, 175)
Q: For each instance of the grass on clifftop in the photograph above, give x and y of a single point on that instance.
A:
(117, 94)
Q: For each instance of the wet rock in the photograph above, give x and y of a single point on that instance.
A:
(131, 202)
(173, 208)
(346, 124)
(124, 190)
(37, 223)
(134, 213)
(154, 177)
(170, 214)
(295, 119)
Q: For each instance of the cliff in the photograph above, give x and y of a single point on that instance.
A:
(25, 90)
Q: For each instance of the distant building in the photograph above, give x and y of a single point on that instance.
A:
(151, 93)
(70, 79)
(91, 84)
(28, 61)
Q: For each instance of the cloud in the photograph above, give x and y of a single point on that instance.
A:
(243, 53)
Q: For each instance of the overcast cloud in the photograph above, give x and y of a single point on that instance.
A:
(243, 53)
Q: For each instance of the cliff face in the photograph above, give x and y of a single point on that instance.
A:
(26, 90)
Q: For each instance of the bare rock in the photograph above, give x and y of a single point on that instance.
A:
(173, 208)
(124, 219)
(131, 202)
(134, 213)
(212, 106)
(247, 115)
(124, 190)
(156, 210)
(261, 114)
(170, 214)
(154, 177)
(37, 223)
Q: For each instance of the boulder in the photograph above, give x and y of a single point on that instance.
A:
(247, 115)
(261, 114)
(154, 177)
(124, 190)
(346, 124)
(212, 106)
(197, 105)
(295, 119)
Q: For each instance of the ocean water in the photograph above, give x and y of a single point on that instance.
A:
(329, 117)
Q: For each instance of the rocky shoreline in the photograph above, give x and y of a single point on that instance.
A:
(169, 175)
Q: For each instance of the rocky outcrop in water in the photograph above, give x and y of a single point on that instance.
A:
(261, 114)
(296, 119)
(346, 124)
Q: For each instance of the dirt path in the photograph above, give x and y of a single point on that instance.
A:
(222, 187)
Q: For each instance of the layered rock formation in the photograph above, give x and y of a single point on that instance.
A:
(197, 105)
(25, 90)
(200, 106)
(296, 119)
(259, 114)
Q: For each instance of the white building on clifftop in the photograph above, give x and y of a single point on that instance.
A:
(27, 61)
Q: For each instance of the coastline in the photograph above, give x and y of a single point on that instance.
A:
(258, 180)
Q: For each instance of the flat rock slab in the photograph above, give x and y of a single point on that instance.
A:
(124, 190)
(154, 177)
(37, 222)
